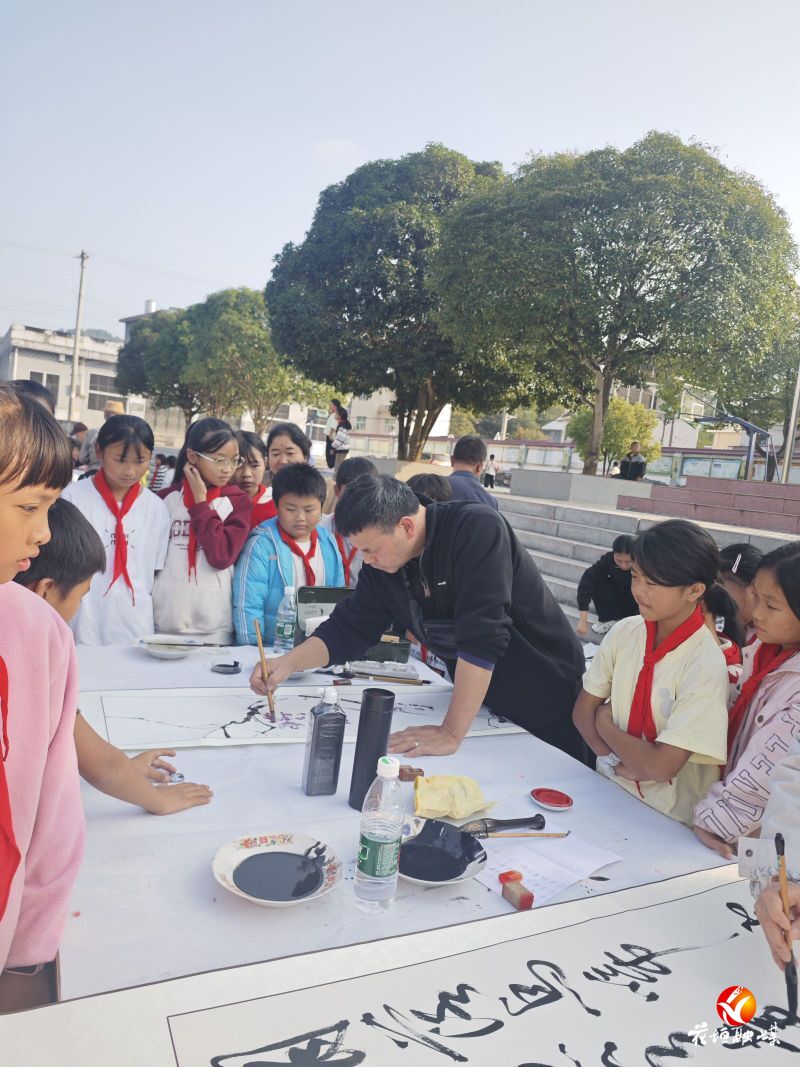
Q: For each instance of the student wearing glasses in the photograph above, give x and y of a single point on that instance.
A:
(210, 521)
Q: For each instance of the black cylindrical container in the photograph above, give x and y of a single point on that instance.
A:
(374, 727)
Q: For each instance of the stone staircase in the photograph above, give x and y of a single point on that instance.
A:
(564, 539)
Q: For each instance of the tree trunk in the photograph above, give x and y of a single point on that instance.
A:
(604, 381)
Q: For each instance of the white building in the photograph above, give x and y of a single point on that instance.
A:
(45, 356)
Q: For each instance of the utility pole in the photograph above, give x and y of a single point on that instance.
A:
(788, 444)
(76, 347)
(504, 425)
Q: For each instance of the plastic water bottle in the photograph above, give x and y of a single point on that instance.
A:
(379, 839)
(286, 621)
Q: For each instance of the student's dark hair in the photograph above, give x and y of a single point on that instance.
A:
(161, 457)
(469, 449)
(249, 443)
(205, 435)
(374, 500)
(172, 461)
(784, 565)
(33, 448)
(336, 402)
(624, 544)
(36, 391)
(677, 552)
(352, 469)
(433, 486)
(717, 601)
(300, 479)
(72, 555)
(744, 557)
(295, 435)
(130, 431)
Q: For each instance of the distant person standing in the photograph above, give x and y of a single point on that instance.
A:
(341, 440)
(467, 460)
(489, 472)
(331, 426)
(633, 466)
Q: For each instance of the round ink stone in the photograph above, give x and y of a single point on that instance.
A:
(552, 799)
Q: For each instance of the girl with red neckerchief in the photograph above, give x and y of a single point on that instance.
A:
(41, 816)
(764, 718)
(209, 524)
(133, 525)
(653, 704)
(350, 556)
(250, 477)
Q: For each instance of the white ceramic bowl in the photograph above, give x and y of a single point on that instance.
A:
(229, 857)
(162, 651)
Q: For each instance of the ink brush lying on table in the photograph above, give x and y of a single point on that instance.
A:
(791, 967)
(485, 827)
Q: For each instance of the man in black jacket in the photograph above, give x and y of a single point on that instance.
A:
(455, 575)
(608, 584)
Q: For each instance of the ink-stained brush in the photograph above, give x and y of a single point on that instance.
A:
(265, 671)
(500, 837)
(791, 966)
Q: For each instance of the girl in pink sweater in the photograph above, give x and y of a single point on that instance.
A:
(764, 719)
(41, 818)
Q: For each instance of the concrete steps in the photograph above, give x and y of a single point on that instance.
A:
(564, 539)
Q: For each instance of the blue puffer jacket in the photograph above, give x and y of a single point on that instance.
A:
(263, 570)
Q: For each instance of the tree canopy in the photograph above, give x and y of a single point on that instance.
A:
(216, 357)
(350, 305)
(616, 267)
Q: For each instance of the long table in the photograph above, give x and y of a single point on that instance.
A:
(146, 906)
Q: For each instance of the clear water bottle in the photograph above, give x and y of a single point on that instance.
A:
(286, 621)
(379, 839)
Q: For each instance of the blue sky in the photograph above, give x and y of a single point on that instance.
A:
(182, 144)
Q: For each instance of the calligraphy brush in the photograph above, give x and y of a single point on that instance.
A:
(501, 836)
(265, 671)
(791, 966)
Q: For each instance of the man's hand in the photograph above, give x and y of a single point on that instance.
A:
(424, 741)
(152, 766)
(717, 844)
(769, 912)
(279, 671)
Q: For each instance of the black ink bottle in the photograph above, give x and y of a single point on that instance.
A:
(324, 740)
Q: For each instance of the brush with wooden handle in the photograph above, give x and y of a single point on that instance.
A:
(791, 967)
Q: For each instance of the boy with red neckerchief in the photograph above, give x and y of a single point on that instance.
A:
(653, 703)
(133, 525)
(290, 550)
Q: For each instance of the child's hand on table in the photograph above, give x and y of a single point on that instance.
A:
(152, 766)
(717, 844)
(168, 799)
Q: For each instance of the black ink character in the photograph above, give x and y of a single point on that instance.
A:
(543, 991)
(750, 922)
(306, 1050)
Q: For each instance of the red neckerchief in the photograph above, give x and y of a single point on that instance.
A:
(732, 653)
(306, 557)
(767, 658)
(119, 511)
(640, 720)
(189, 501)
(347, 559)
(9, 852)
(262, 509)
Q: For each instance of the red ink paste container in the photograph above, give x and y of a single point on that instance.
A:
(552, 799)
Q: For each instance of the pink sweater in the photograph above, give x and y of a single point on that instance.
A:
(42, 773)
(735, 806)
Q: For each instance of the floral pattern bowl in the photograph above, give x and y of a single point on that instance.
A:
(230, 855)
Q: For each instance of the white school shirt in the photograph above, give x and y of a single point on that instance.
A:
(108, 616)
(200, 605)
(490, 467)
(317, 565)
(327, 522)
(689, 694)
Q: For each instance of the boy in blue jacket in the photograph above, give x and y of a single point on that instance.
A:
(289, 550)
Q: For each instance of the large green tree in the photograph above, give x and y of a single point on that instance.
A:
(616, 267)
(153, 360)
(625, 422)
(214, 357)
(350, 304)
